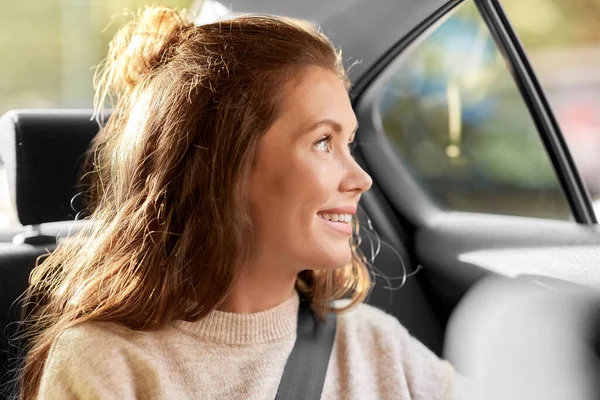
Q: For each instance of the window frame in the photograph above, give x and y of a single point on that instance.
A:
(414, 204)
(539, 107)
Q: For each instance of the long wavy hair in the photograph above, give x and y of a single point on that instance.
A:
(166, 179)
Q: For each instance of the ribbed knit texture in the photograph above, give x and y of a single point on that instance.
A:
(246, 329)
(240, 356)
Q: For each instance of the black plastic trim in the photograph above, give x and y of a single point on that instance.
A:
(365, 81)
(536, 101)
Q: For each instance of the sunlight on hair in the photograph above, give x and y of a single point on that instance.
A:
(131, 137)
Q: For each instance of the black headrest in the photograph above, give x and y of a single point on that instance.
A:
(42, 151)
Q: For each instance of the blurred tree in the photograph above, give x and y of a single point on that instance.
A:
(555, 23)
(50, 48)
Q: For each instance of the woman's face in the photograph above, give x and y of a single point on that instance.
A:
(305, 178)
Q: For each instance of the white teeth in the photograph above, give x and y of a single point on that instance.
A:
(346, 218)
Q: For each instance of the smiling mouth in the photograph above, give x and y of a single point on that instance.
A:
(341, 226)
(340, 218)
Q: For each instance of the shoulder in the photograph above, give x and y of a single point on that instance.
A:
(94, 358)
(89, 345)
(105, 346)
(91, 337)
(366, 319)
(379, 338)
(367, 331)
(95, 330)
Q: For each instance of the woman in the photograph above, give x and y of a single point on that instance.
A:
(222, 190)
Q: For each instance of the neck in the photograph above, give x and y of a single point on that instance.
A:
(258, 289)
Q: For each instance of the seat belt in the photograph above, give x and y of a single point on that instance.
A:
(304, 373)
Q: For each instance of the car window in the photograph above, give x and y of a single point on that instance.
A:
(455, 116)
(563, 45)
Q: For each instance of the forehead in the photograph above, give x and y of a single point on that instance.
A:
(313, 95)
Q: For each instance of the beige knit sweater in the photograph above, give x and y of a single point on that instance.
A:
(241, 356)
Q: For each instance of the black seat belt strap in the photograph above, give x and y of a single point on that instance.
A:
(305, 370)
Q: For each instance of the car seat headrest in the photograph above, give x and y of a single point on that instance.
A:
(43, 151)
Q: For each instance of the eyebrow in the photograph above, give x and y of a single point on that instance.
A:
(337, 127)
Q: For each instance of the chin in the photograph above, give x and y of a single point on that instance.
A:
(336, 259)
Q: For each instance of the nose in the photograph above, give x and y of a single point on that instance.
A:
(356, 179)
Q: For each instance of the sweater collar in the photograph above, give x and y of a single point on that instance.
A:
(246, 329)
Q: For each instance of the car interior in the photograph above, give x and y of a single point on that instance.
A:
(425, 257)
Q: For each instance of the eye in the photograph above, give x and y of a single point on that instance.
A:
(323, 144)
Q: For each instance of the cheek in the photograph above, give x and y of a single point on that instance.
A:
(285, 199)
(293, 183)
(281, 188)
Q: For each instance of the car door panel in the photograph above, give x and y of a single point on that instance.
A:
(459, 249)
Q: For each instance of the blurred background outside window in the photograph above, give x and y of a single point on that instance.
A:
(50, 49)
(562, 41)
(452, 110)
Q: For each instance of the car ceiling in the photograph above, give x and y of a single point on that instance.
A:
(364, 29)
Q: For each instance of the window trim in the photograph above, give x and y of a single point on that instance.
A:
(382, 63)
(415, 205)
(540, 110)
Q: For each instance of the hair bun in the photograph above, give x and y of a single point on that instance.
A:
(140, 45)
